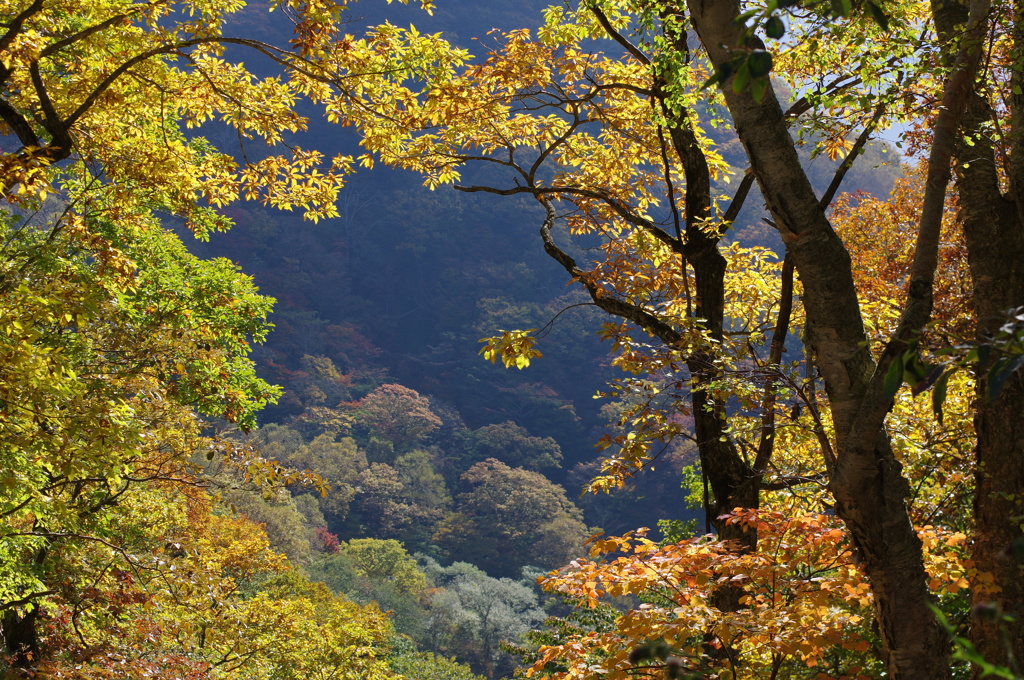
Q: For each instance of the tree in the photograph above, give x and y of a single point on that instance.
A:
(509, 518)
(428, 666)
(388, 507)
(387, 561)
(105, 373)
(116, 343)
(615, 142)
(515, 447)
(473, 613)
(338, 462)
(287, 529)
(423, 484)
(315, 391)
(200, 594)
(380, 572)
(398, 414)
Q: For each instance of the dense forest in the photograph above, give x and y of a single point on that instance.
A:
(465, 340)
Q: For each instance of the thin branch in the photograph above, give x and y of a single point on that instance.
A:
(624, 86)
(641, 317)
(618, 37)
(789, 481)
(809, 393)
(623, 211)
(766, 445)
(546, 328)
(25, 600)
(803, 105)
(844, 167)
(543, 155)
(676, 221)
(85, 33)
(16, 508)
(14, 28)
(117, 72)
(739, 197)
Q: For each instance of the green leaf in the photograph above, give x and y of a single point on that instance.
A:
(758, 86)
(712, 81)
(841, 8)
(722, 73)
(915, 371)
(742, 78)
(774, 27)
(742, 19)
(893, 378)
(928, 380)
(880, 17)
(939, 395)
(984, 352)
(760, 63)
(1000, 372)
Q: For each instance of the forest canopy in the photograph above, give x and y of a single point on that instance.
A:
(833, 379)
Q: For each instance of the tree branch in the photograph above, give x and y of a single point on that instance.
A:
(844, 167)
(14, 30)
(17, 122)
(641, 317)
(25, 600)
(616, 36)
(766, 445)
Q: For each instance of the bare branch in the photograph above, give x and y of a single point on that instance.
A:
(618, 37)
(844, 167)
(766, 445)
(638, 315)
(739, 197)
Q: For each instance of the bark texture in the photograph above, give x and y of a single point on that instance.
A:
(868, 484)
(992, 214)
(20, 637)
(995, 244)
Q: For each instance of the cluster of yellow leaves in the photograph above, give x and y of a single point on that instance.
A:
(115, 77)
(533, 93)
(209, 599)
(654, 413)
(945, 559)
(514, 348)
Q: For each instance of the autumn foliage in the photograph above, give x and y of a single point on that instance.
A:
(806, 607)
(638, 130)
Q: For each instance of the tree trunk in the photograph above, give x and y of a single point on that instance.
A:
(995, 245)
(993, 224)
(998, 509)
(868, 485)
(20, 637)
